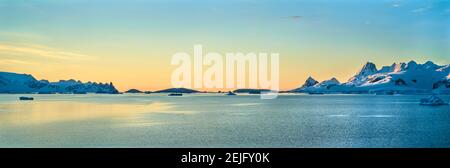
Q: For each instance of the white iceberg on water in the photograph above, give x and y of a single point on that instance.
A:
(433, 100)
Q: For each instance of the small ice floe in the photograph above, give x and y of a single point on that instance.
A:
(26, 98)
(433, 100)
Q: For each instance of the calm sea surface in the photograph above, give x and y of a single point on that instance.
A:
(213, 120)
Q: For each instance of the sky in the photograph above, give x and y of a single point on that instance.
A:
(131, 42)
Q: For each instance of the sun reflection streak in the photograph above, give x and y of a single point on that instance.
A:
(30, 113)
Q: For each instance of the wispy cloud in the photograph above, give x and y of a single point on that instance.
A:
(41, 51)
(295, 17)
(13, 61)
(395, 5)
(422, 9)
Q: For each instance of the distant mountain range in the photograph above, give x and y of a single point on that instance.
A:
(24, 83)
(134, 91)
(251, 91)
(177, 90)
(402, 78)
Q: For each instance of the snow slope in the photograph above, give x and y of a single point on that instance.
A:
(405, 78)
(24, 83)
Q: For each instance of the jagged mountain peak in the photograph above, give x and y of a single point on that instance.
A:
(331, 81)
(310, 82)
(334, 80)
(430, 63)
(310, 78)
(368, 69)
(397, 67)
(411, 65)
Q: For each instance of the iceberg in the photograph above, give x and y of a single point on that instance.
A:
(433, 100)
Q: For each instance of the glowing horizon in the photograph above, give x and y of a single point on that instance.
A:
(130, 43)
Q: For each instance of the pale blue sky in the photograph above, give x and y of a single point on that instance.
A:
(322, 38)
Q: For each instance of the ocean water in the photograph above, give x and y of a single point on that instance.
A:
(214, 120)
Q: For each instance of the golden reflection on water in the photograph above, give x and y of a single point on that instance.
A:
(44, 112)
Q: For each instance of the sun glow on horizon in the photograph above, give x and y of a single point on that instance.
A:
(92, 41)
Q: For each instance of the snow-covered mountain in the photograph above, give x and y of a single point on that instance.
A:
(368, 69)
(311, 85)
(309, 82)
(24, 83)
(406, 78)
